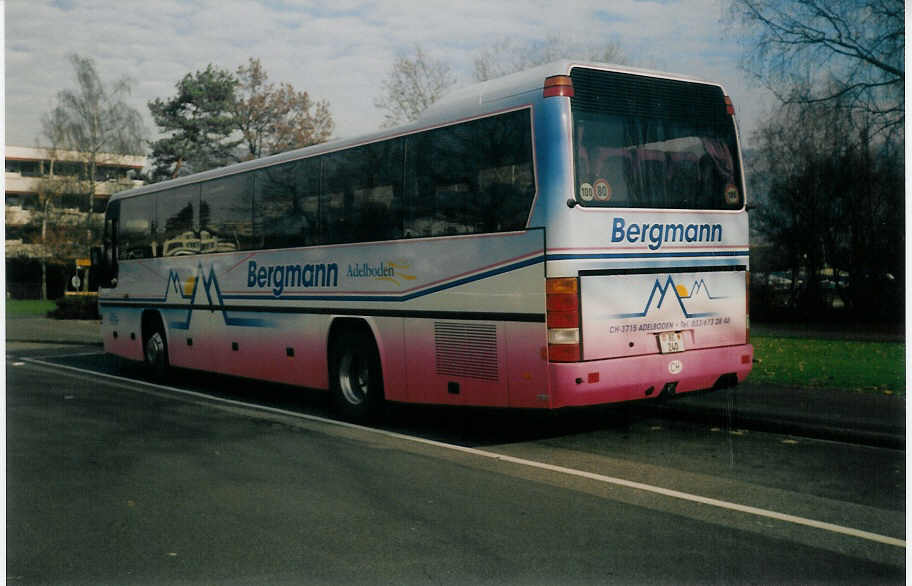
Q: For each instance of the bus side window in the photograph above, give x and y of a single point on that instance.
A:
(135, 228)
(336, 198)
(376, 212)
(286, 204)
(505, 182)
(419, 210)
(361, 194)
(472, 177)
(440, 169)
(226, 214)
(507, 195)
(178, 222)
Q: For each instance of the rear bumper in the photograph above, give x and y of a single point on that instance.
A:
(642, 377)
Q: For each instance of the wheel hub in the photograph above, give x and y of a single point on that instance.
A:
(354, 378)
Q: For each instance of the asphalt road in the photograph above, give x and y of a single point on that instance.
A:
(214, 480)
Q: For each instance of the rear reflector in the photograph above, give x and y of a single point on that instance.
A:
(558, 85)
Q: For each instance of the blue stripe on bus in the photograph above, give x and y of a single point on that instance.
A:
(399, 298)
(616, 255)
(259, 322)
(211, 281)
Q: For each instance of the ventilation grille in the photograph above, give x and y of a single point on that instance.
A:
(640, 96)
(467, 350)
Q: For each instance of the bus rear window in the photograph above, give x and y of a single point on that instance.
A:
(643, 142)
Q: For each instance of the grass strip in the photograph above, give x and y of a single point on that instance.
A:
(27, 307)
(845, 364)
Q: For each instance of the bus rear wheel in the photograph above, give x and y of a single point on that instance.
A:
(356, 379)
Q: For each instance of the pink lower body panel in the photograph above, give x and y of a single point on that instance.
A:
(643, 377)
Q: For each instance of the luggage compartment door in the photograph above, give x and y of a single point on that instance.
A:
(627, 313)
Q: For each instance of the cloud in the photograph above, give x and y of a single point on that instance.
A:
(337, 50)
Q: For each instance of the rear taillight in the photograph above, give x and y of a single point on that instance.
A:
(747, 307)
(729, 106)
(563, 319)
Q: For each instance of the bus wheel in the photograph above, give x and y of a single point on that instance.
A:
(355, 377)
(155, 352)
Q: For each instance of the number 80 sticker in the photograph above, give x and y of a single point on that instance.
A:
(602, 190)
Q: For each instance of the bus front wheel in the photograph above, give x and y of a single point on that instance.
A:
(155, 352)
(356, 378)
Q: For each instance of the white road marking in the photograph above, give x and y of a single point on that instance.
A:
(76, 354)
(694, 498)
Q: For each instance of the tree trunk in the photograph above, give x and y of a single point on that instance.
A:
(44, 292)
(44, 252)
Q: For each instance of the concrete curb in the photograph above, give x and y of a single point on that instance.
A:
(830, 414)
(887, 436)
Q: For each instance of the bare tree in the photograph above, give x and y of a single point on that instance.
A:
(412, 85)
(846, 52)
(273, 119)
(508, 56)
(829, 197)
(59, 229)
(95, 121)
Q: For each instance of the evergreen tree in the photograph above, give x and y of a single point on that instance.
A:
(198, 123)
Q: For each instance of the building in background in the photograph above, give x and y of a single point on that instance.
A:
(27, 167)
(47, 202)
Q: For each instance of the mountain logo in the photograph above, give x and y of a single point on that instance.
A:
(671, 291)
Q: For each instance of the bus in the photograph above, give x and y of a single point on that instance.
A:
(570, 235)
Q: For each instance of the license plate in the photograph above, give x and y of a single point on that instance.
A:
(671, 342)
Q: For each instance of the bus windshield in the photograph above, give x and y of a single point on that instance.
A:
(673, 146)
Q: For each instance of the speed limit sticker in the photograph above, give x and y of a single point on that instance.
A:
(586, 192)
(602, 190)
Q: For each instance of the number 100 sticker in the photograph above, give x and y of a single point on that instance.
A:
(586, 192)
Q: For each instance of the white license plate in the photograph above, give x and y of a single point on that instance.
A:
(671, 342)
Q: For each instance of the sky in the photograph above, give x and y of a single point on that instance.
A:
(341, 50)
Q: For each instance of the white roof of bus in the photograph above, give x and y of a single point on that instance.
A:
(474, 100)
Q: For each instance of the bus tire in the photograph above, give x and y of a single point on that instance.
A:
(356, 377)
(155, 350)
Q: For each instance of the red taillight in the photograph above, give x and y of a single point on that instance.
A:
(564, 352)
(563, 302)
(558, 85)
(747, 306)
(563, 319)
(729, 107)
